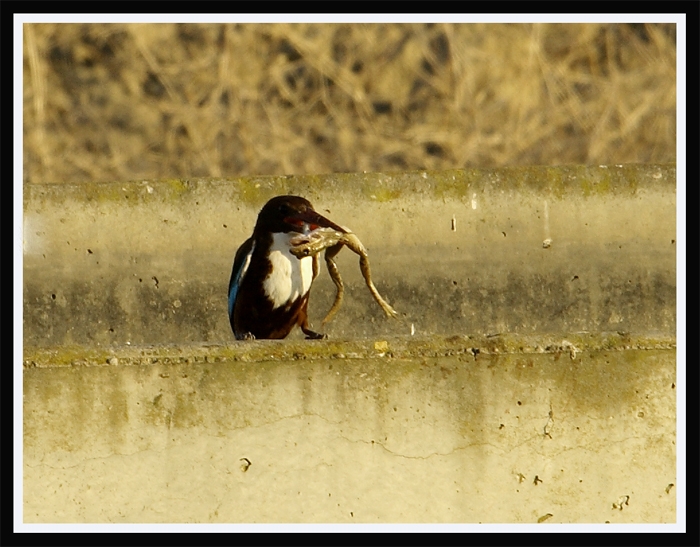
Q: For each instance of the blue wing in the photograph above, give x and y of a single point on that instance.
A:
(240, 266)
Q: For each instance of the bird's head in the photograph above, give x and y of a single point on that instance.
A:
(291, 214)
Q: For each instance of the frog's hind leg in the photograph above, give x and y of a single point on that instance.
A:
(329, 256)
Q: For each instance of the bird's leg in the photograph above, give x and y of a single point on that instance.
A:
(306, 328)
(311, 335)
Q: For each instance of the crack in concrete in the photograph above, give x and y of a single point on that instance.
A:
(500, 448)
(413, 457)
(97, 458)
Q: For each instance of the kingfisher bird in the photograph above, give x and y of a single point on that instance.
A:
(268, 294)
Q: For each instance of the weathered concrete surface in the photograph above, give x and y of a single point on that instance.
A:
(148, 263)
(459, 429)
(139, 407)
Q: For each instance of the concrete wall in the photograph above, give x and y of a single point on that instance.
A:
(149, 263)
(139, 406)
(442, 430)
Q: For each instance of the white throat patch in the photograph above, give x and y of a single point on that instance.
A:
(290, 277)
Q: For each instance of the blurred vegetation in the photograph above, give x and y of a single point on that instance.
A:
(132, 101)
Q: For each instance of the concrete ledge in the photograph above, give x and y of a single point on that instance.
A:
(139, 406)
(460, 429)
(459, 252)
(406, 347)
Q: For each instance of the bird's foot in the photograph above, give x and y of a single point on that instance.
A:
(311, 335)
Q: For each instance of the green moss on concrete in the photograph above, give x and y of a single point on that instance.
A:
(595, 187)
(382, 187)
(572, 344)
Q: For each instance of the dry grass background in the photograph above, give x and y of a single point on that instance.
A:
(131, 101)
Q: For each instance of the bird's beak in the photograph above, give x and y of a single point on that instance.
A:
(310, 220)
